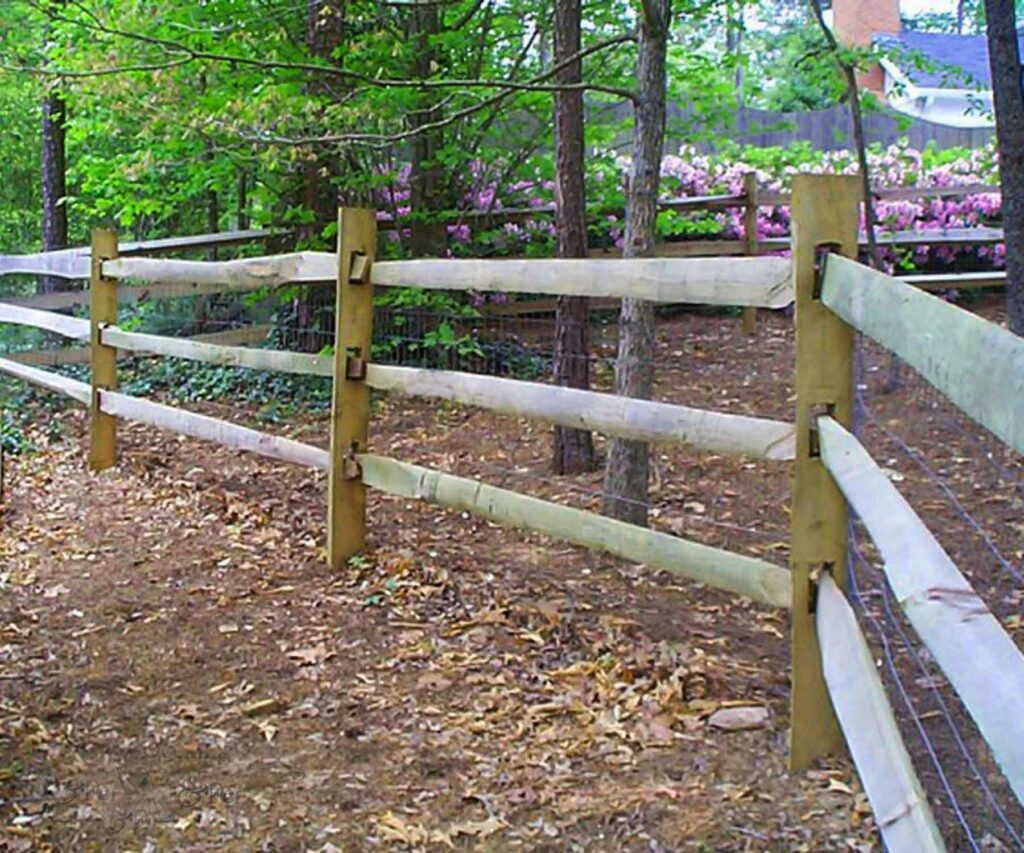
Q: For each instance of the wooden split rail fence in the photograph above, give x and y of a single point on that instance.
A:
(836, 693)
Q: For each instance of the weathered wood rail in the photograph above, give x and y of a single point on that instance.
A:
(837, 696)
(758, 281)
(980, 367)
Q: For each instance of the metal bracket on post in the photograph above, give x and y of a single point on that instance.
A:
(358, 266)
(817, 410)
(821, 253)
(355, 365)
(350, 465)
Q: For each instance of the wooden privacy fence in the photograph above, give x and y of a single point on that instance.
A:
(836, 692)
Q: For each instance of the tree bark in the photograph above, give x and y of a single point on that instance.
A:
(242, 204)
(426, 176)
(54, 183)
(1008, 98)
(311, 319)
(573, 448)
(625, 484)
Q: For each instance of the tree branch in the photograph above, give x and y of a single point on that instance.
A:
(534, 84)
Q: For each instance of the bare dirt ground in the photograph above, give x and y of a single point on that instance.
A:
(180, 671)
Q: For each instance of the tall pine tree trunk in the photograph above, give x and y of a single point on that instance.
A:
(573, 448)
(625, 483)
(1008, 97)
(54, 183)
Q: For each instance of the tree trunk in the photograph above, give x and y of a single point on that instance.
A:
(426, 176)
(573, 448)
(734, 28)
(242, 204)
(54, 180)
(312, 315)
(625, 483)
(1008, 98)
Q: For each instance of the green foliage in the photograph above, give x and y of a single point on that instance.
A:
(12, 434)
(274, 395)
(422, 327)
(805, 76)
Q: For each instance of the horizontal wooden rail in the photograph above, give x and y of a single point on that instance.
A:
(127, 294)
(212, 429)
(720, 201)
(939, 237)
(79, 391)
(924, 237)
(955, 281)
(610, 414)
(977, 364)
(758, 282)
(69, 327)
(982, 663)
(625, 417)
(74, 263)
(901, 809)
(66, 263)
(774, 198)
(213, 240)
(697, 249)
(213, 352)
(761, 581)
(80, 355)
(241, 275)
(174, 419)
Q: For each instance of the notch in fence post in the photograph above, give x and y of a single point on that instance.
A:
(750, 242)
(103, 358)
(350, 405)
(825, 212)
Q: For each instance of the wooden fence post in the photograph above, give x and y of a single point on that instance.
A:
(350, 408)
(750, 241)
(103, 358)
(825, 214)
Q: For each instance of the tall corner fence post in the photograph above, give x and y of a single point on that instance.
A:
(350, 403)
(825, 216)
(750, 210)
(103, 358)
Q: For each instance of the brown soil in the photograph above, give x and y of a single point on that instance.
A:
(181, 671)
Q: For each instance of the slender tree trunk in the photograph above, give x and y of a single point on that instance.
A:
(859, 138)
(242, 206)
(734, 28)
(574, 448)
(625, 484)
(1008, 98)
(54, 183)
(426, 176)
(313, 309)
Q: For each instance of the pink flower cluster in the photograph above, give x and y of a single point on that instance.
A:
(694, 174)
(689, 173)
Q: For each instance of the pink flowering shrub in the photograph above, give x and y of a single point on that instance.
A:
(688, 173)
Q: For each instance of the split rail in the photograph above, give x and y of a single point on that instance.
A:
(837, 696)
(979, 366)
